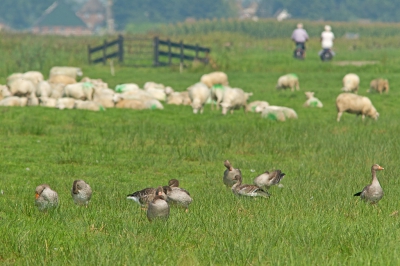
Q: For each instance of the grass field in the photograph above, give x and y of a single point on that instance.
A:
(314, 219)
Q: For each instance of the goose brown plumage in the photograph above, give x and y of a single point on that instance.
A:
(158, 208)
(372, 193)
(268, 179)
(81, 192)
(177, 195)
(46, 198)
(247, 190)
(230, 173)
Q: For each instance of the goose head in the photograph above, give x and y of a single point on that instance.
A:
(376, 167)
(39, 190)
(173, 183)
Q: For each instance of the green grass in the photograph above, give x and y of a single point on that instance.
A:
(313, 219)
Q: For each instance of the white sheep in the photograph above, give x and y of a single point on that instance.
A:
(139, 105)
(379, 85)
(72, 72)
(79, 91)
(121, 88)
(13, 77)
(252, 107)
(199, 93)
(23, 87)
(65, 103)
(312, 101)
(4, 92)
(351, 82)
(43, 89)
(151, 84)
(217, 94)
(138, 94)
(280, 113)
(34, 76)
(47, 102)
(179, 98)
(215, 78)
(32, 101)
(156, 93)
(97, 83)
(88, 105)
(62, 79)
(14, 101)
(104, 97)
(355, 104)
(234, 98)
(288, 81)
(57, 90)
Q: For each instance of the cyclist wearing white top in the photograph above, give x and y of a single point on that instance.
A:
(327, 38)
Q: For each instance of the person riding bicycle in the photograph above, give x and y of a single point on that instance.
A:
(300, 36)
(327, 38)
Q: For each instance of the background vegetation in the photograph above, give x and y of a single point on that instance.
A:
(313, 218)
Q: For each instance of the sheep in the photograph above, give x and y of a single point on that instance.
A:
(97, 83)
(179, 98)
(351, 82)
(156, 93)
(14, 101)
(57, 90)
(139, 94)
(72, 72)
(13, 77)
(22, 87)
(279, 113)
(199, 93)
(288, 81)
(43, 89)
(126, 87)
(151, 104)
(252, 107)
(34, 76)
(312, 101)
(151, 84)
(32, 101)
(234, 98)
(62, 79)
(79, 91)
(379, 85)
(47, 102)
(214, 78)
(4, 92)
(88, 105)
(355, 104)
(65, 103)
(217, 93)
(104, 97)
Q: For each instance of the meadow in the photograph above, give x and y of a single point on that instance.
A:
(312, 220)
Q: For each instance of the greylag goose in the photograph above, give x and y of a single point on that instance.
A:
(143, 197)
(267, 179)
(230, 173)
(45, 197)
(247, 190)
(158, 207)
(177, 195)
(81, 192)
(373, 192)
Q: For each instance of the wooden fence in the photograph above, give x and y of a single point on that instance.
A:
(138, 52)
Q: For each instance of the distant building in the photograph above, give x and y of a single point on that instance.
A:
(93, 13)
(59, 19)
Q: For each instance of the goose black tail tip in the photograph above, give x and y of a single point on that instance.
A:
(357, 194)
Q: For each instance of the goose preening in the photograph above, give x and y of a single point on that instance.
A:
(373, 192)
(247, 190)
(143, 197)
(177, 195)
(45, 197)
(230, 173)
(268, 179)
(158, 208)
(81, 192)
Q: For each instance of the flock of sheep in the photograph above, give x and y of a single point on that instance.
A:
(63, 91)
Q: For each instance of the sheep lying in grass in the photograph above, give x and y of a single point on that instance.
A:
(62, 79)
(104, 97)
(14, 101)
(88, 105)
(47, 102)
(13, 77)
(151, 104)
(34, 76)
(234, 98)
(72, 72)
(57, 90)
(153, 85)
(199, 94)
(65, 103)
(256, 106)
(215, 78)
(288, 81)
(121, 88)
(279, 113)
(22, 87)
(43, 89)
(32, 101)
(379, 85)
(179, 98)
(351, 82)
(312, 101)
(4, 92)
(355, 104)
(79, 91)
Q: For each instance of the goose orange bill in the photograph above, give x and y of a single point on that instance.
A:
(381, 168)
(36, 195)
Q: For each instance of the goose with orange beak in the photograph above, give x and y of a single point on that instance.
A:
(372, 193)
(46, 198)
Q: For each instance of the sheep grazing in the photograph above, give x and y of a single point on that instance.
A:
(288, 81)
(14, 101)
(72, 72)
(279, 113)
(47, 102)
(151, 104)
(312, 101)
(34, 76)
(79, 91)
(256, 106)
(88, 105)
(214, 78)
(217, 94)
(351, 82)
(23, 87)
(379, 85)
(62, 79)
(65, 103)
(198, 93)
(355, 104)
(234, 98)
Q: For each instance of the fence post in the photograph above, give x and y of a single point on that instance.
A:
(169, 52)
(89, 55)
(105, 52)
(121, 48)
(155, 46)
(197, 51)
(181, 54)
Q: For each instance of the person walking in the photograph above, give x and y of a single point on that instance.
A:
(300, 36)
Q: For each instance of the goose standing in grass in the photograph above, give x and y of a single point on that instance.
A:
(267, 179)
(143, 197)
(373, 192)
(247, 190)
(158, 207)
(177, 195)
(46, 198)
(230, 173)
(81, 192)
